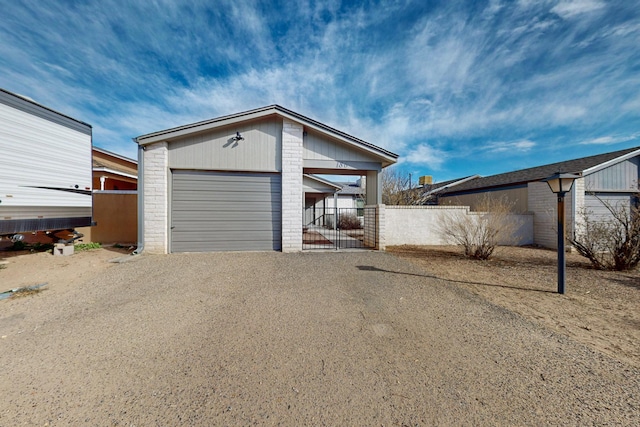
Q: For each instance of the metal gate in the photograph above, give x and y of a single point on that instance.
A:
(339, 228)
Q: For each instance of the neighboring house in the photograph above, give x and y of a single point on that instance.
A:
(319, 194)
(112, 171)
(427, 194)
(322, 197)
(115, 208)
(237, 182)
(611, 177)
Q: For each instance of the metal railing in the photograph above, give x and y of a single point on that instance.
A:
(341, 228)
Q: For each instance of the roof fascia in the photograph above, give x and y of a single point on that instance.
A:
(177, 132)
(115, 172)
(611, 162)
(453, 184)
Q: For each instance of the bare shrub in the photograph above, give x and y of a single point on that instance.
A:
(349, 221)
(480, 232)
(611, 242)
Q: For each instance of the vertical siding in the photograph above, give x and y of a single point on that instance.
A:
(596, 209)
(622, 176)
(319, 147)
(259, 151)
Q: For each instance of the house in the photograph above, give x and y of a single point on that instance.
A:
(115, 207)
(237, 182)
(112, 171)
(611, 177)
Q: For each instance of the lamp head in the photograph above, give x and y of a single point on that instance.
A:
(561, 183)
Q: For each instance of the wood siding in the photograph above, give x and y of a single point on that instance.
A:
(622, 176)
(597, 210)
(216, 150)
(319, 147)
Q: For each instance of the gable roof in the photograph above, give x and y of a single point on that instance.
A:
(109, 162)
(180, 131)
(583, 166)
(323, 181)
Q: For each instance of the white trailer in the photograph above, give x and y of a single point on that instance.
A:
(45, 169)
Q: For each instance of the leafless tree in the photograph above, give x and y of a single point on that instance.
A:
(397, 189)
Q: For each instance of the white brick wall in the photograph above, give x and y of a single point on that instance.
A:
(155, 195)
(544, 205)
(292, 195)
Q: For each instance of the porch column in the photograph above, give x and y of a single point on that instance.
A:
(374, 188)
(156, 204)
(292, 192)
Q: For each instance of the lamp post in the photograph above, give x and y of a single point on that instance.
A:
(560, 184)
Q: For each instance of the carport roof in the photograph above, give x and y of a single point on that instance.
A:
(180, 131)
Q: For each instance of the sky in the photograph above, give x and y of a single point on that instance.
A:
(454, 88)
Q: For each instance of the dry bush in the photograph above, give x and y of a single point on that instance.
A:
(480, 232)
(349, 221)
(611, 243)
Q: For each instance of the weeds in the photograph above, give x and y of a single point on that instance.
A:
(79, 247)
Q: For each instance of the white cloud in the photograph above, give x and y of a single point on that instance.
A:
(611, 139)
(524, 145)
(425, 155)
(568, 9)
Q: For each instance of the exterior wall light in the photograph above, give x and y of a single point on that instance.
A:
(560, 184)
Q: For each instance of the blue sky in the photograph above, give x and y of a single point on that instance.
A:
(454, 87)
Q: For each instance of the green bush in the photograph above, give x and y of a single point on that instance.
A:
(79, 247)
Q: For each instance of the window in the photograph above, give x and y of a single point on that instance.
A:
(360, 207)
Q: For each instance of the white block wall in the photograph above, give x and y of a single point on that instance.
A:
(420, 225)
(156, 204)
(292, 194)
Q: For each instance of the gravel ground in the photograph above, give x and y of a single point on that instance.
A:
(293, 339)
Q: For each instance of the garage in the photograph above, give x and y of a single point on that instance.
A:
(225, 211)
(235, 183)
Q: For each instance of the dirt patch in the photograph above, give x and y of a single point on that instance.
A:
(599, 308)
(23, 269)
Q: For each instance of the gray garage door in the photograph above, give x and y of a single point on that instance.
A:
(212, 211)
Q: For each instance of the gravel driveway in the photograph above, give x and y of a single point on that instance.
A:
(293, 339)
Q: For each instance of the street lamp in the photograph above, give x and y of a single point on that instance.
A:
(560, 184)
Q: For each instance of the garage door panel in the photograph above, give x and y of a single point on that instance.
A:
(215, 211)
(211, 227)
(215, 187)
(206, 196)
(226, 206)
(248, 215)
(233, 245)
